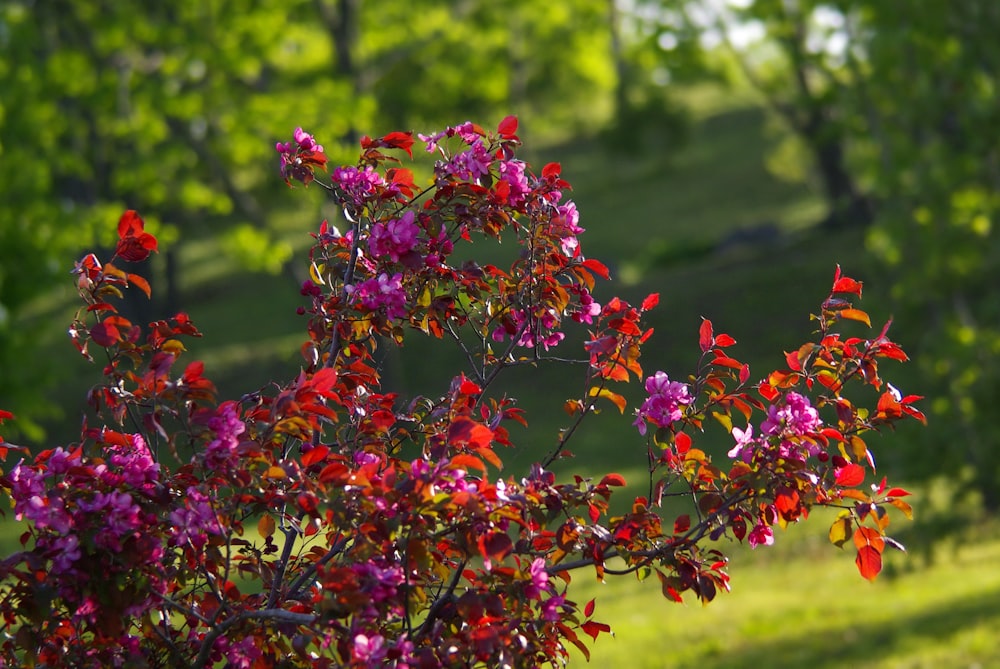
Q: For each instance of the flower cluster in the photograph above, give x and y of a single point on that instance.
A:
(663, 404)
(220, 453)
(299, 157)
(394, 238)
(380, 293)
(789, 428)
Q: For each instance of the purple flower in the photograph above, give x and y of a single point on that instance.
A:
(298, 155)
(663, 406)
(358, 186)
(744, 443)
(369, 648)
(512, 171)
(193, 523)
(383, 292)
(795, 417)
(67, 547)
(221, 451)
(135, 461)
(761, 535)
(394, 238)
(539, 579)
(470, 164)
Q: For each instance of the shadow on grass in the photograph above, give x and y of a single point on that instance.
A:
(866, 641)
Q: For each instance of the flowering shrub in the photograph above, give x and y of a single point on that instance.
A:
(329, 522)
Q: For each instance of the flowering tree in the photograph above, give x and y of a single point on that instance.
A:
(327, 521)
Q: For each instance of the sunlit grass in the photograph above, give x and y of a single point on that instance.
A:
(801, 603)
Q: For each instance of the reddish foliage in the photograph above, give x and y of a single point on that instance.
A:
(388, 532)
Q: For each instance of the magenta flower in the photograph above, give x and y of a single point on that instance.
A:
(220, 453)
(794, 417)
(744, 443)
(369, 648)
(300, 156)
(358, 186)
(192, 524)
(761, 535)
(539, 580)
(394, 238)
(470, 164)
(663, 406)
(383, 292)
(512, 171)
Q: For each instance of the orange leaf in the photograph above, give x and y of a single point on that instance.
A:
(616, 399)
(140, 283)
(466, 461)
(869, 562)
(266, 525)
(856, 315)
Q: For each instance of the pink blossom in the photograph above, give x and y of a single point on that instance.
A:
(220, 453)
(512, 171)
(761, 535)
(192, 524)
(135, 461)
(663, 406)
(369, 648)
(744, 443)
(67, 548)
(470, 164)
(539, 582)
(383, 292)
(794, 417)
(357, 185)
(394, 238)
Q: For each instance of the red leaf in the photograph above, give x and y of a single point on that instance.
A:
(317, 454)
(129, 224)
(495, 546)
(616, 480)
(682, 442)
(850, 475)
(897, 492)
(105, 334)
(595, 266)
(705, 335)
(553, 170)
(594, 628)
(508, 127)
(588, 610)
(724, 340)
(399, 140)
(726, 361)
(869, 562)
(744, 373)
(682, 524)
(846, 285)
(651, 301)
(5, 415)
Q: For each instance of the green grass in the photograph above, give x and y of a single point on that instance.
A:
(801, 603)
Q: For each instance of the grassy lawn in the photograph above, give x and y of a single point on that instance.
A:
(657, 219)
(801, 603)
